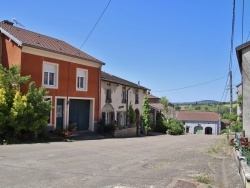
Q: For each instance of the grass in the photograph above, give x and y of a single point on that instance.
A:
(221, 147)
(204, 178)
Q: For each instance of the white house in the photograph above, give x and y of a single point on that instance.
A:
(116, 96)
(200, 122)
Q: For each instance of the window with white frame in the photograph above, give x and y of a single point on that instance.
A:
(81, 79)
(50, 75)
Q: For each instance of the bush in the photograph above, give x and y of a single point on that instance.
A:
(109, 128)
(237, 126)
(175, 127)
(161, 125)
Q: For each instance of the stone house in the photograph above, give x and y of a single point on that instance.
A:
(156, 108)
(116, 96)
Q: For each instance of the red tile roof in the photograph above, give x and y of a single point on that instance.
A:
(152, 96)
(36, 40)
(197, 116)
(157, 106)
(111, 78)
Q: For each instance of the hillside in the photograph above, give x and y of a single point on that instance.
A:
(207, 107)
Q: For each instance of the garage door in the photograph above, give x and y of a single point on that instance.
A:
(198, 130)
(79, 113)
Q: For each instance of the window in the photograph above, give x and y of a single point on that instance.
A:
(50, 75)
(124, 96)
(81, 79)
(108, 96)
(136, 97)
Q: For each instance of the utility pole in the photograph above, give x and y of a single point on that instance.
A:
(231, 92)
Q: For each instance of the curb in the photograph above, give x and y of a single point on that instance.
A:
(243, 168)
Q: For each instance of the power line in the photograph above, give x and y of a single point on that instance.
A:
(191, 85)
(242, 23)
(95, 24)
(224, 89)
(79, 49)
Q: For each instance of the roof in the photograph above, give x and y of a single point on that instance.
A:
(239, 52)
(197, 116)
(111, 78)
(157, 106)
(25, 37)
(152, 96)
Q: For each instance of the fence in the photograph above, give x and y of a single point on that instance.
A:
(243, 146)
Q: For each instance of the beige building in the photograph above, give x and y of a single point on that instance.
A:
(157, 107)
(116, 96)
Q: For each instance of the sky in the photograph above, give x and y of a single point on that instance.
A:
(166, 45)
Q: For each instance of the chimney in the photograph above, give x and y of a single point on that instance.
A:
(138, 83)
(8, 22)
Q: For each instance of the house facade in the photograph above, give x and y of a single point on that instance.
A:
(156, 107)
(71, 76)
(200, 122)
(116, 96)
(243, 55)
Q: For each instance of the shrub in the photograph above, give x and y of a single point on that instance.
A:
(236, 126)
(161, 125)
(109, 128)
(175, 126)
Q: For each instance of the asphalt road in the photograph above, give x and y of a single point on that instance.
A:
(154, 161)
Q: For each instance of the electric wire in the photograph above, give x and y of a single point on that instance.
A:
(242, 19)
(224, 89)
(79, 49)
(95, 24)
(186, 87)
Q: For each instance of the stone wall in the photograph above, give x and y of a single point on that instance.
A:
(128, 132)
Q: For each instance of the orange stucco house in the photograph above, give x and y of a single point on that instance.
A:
(71, 76)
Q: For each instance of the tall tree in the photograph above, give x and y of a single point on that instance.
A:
(146, 114)
(165, 103)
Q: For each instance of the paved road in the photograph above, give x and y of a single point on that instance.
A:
(155, 161)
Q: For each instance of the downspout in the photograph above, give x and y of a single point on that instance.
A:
(67, 100)
(127, 107)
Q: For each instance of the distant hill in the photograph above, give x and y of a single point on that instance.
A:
(198, 102)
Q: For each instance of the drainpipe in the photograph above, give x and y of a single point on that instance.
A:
(127, 107)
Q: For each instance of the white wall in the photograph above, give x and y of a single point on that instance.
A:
(116, 96)
(246, 90)
(213, 125)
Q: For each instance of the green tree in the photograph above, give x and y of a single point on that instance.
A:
(240, 101)
(20, 113)
(146, 114)
(175, 126)
(131, 115)
(177, 108)
(165, 103)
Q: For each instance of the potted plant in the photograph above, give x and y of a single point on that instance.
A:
(72, 127)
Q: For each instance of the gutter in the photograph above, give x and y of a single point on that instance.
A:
(127, 107)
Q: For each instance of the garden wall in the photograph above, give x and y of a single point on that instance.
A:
(128, 132)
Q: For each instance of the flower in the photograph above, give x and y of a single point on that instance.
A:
(232, 140)
(246, 143)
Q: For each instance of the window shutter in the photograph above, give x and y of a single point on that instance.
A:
(112, 116)
(103, 117)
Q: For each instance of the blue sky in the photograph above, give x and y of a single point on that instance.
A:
(164, 44)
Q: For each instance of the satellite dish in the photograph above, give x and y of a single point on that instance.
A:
(16, 22)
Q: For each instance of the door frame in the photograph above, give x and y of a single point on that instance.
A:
(64, 110)
(91, 111)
